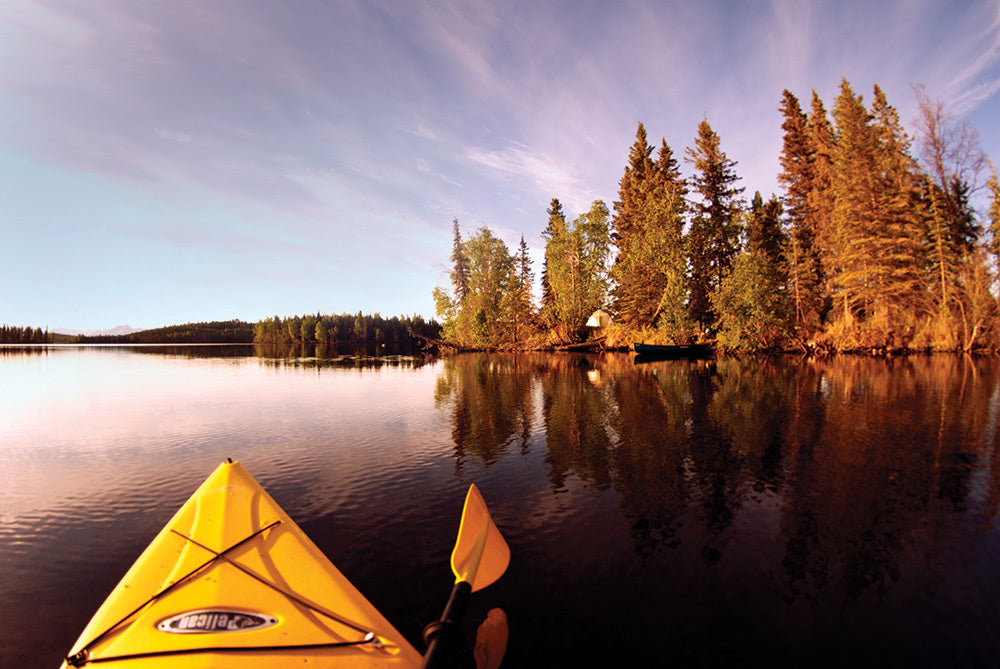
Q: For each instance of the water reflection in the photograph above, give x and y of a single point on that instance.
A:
(491, 403)
(825, 512)
(858, 460)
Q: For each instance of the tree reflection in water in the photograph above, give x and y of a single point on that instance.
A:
(861, 459)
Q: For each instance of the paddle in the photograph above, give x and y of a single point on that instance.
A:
(479, 558)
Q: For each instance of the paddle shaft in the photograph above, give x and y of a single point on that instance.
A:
(440, 636)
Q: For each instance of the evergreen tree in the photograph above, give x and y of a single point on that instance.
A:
(799, 177)
(764, 234)
(902, 249)
(714, 233)
(823, 145)
(993, 215)
(649, 272)
(752, 303)
(556, 223)
(877, 247)
(523, 307)
(460, 266)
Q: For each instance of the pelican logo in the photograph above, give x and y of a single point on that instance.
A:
(215, 621)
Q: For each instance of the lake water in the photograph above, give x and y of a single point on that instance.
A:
(777, 512)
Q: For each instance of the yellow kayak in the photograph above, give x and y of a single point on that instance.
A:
(232, 581)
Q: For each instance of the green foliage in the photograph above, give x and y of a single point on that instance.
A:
(752, 313)
(754, 308)
(483, 318)
(866, 249)
(346, 330)
(650, 270)
(576, 259)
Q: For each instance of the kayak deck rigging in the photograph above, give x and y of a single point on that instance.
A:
(257, 595)
(83, 658)
(232, 574)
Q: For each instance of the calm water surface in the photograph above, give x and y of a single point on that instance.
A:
(711, 513)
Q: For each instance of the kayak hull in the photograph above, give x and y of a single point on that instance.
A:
(231, 580)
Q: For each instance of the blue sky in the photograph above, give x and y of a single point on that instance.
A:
(175, 161)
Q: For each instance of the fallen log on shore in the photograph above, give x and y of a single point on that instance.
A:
(430, 342)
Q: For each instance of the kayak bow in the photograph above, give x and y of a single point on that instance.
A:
(232, 580)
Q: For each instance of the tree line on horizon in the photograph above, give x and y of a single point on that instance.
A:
(351, 330)
(14, 334)
(875, 243)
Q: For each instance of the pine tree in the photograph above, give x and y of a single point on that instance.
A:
(714, 234)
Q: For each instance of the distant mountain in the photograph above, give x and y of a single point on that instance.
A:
(214, 332)
(117, 330)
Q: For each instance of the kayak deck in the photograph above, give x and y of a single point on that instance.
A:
(232, 579)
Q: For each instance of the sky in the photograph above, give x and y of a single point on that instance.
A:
(174, 161)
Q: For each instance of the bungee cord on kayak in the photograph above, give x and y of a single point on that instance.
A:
(295, 598)
(71, 660)
(369, 639)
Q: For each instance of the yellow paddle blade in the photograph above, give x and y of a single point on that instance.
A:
(480, 555)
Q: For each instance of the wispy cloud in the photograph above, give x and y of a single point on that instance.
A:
(547, 175)
(365, 126)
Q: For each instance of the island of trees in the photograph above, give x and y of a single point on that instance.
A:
(874, 245)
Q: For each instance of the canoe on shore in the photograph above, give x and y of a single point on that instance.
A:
(232, 581)
(666, 352)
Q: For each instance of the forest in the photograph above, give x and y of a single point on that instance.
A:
(876, 244)
(214, 332)
(14, 334)
(344, 330)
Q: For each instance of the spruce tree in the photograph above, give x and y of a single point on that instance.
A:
(460, 266)
(877, 245)
(556, 225)
(799, 177)
(993, 215)
(523, 309)
(649, 272)
(823, 145)
(715, 229)
(902, 232)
